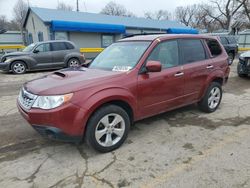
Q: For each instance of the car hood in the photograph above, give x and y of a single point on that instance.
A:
(245, 54)
(69, 80)
(15, 54)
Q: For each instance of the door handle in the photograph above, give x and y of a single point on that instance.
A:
(210, 67)
(179, 74)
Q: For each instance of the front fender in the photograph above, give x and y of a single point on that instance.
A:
(97, 99)
(29, 61)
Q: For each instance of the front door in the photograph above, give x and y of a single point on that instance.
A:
(161, 91)
(42, 55)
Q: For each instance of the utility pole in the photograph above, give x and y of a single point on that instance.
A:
(77, 6)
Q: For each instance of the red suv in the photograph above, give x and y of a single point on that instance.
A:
(135, 78)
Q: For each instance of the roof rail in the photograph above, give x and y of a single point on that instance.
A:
(138, 34)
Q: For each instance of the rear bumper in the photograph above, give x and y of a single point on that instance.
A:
(4, 67)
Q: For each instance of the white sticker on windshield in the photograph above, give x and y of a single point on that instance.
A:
(121, 68)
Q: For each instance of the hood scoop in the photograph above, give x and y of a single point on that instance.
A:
(60, 74)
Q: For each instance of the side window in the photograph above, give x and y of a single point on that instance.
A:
(167, 53)
(43, 47)
(58, 46)
(40, 36)
(192, 50)
(69, 46)
(214, 47)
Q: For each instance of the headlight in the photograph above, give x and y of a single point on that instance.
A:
(50, 102)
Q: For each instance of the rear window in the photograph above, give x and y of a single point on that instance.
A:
(223, 40)
(69, 46)
(57, 46)
(192, 50)
(214, 47)
(232, 40)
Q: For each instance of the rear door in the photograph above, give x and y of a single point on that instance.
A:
(161, 91)
(43, 56)
(59, 51)
(196, 65)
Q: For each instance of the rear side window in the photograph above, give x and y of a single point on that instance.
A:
(57, 46)
(69, 46)
(214, 47)
(192, 50)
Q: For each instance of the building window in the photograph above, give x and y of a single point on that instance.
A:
(107, 40)
(30, 38)
(40, 36)
(61, 36)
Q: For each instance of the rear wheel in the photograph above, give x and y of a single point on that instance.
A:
(211, 101)
(18, 67)
(108, 128)
(73, 62)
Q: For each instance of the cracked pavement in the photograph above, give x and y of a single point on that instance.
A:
(182, 148)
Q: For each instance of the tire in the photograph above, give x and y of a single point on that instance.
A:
(73, 62)
(231, 58)
(105, 138)
(211, 100)
(18, 67)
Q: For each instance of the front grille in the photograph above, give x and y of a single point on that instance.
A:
(26, 99)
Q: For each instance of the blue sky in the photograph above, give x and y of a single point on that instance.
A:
(136, 6)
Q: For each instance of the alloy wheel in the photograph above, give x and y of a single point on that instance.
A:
(110, 130)
(214, 98)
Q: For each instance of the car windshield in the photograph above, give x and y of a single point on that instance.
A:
(121, 56)
(29, 48)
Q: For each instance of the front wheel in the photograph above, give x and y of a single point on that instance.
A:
(18, 67)
(211, 101)
(108, 128)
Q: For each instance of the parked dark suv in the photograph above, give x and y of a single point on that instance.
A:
(132, 79)
(231, 46)
(42, 55)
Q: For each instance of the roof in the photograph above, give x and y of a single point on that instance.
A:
(166, 36)
(48, 15)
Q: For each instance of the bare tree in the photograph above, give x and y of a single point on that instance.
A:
(63, 6)
(20, 9)
(8, 25)
(158, 15)
(224, 11)
(115, 9)
(3, 22)
(246, 10)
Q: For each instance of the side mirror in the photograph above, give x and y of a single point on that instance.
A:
(36, 51)
(153, 66)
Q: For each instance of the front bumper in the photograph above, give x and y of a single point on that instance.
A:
(4, 66)
(65, 123)
(243, 67)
